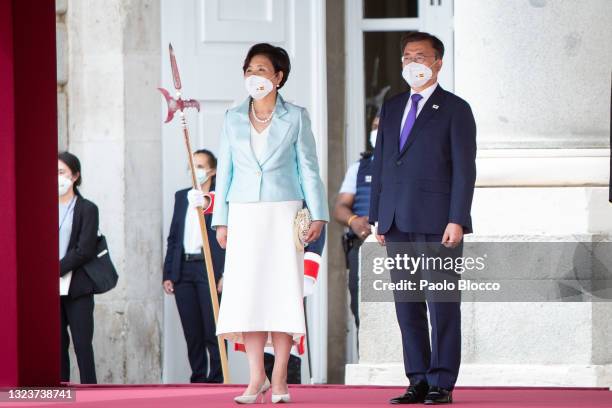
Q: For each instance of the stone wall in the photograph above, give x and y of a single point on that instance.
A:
(109, 114)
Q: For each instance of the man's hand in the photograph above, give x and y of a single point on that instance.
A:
(379, 238)
(168, 287)
(361, 227)
(453, 234)
(222, 235)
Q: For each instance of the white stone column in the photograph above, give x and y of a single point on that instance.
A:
(537, 72)
(114, 126)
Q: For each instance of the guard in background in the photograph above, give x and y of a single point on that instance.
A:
(351, 210)
(185, 273)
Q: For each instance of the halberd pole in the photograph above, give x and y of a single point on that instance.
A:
(179, 104)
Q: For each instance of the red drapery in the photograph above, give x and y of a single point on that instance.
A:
(29, 299)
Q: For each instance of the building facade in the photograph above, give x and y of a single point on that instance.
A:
(536, 73)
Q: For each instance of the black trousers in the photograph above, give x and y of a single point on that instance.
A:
(195, 309)
(78, 314)
(353, 277)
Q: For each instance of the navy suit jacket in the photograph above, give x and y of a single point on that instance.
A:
(430, 183)
(176, 252)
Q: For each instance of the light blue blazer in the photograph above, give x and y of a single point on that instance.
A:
(288, 169)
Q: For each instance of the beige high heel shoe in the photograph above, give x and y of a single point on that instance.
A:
(276, 398)
(252, 399)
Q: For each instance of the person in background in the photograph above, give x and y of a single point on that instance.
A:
(78, 234)
(351, 210)
(185, 275)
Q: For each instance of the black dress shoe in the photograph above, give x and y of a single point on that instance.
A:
(437, 395)
(414, 394)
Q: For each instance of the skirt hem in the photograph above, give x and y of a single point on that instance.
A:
(237, 337)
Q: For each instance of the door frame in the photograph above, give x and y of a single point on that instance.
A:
(317, 306)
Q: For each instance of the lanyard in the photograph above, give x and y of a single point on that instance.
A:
(67, 212)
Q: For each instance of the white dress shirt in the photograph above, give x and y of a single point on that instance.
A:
(192, 237)
(425, 93)
(66, 216)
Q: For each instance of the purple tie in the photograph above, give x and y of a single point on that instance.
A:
(410, 119)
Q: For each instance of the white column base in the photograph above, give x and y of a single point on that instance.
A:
(536, 375)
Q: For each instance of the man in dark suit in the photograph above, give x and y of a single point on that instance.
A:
(422, 188)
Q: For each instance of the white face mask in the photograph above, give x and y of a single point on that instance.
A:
(63, 185)
(201, 175)
(257, 86)
(417, 74)
(373, 134)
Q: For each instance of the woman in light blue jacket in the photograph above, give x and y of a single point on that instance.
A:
(267, 168)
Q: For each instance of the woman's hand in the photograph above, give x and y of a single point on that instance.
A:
(222, 235)
(315, 231)
(168, 287)
(220, 285)
(196, 198)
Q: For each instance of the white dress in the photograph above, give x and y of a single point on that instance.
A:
(263, 276)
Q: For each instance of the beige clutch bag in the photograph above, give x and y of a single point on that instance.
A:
(301, 225)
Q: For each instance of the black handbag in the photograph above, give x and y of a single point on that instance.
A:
(101, 270)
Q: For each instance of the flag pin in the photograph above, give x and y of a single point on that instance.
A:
(435, 106)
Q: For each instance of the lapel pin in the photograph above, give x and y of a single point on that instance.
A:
(435, 106)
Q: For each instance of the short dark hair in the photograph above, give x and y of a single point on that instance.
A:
(74, 164)
(277, 56)
(414, 36)
(212, 159)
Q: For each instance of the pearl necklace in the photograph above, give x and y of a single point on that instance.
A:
(255, 115)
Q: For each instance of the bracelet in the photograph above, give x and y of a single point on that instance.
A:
(351, 218)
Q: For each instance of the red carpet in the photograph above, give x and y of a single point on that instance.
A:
(323, 396)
